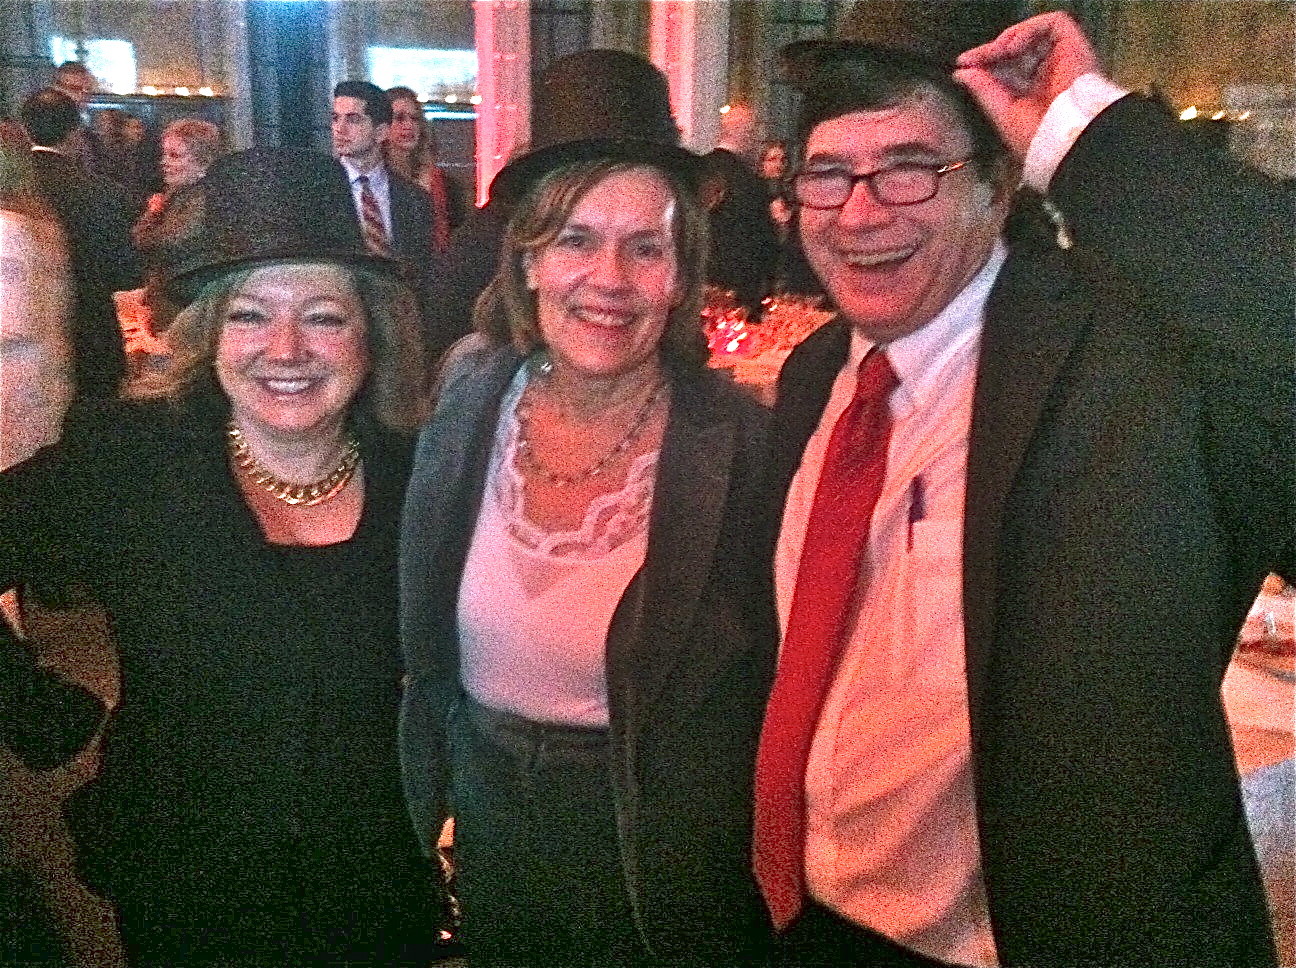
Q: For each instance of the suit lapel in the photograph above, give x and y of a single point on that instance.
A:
(401, 233)
(445, 492)
(805, 384)
(1032, 320)
(691, 491)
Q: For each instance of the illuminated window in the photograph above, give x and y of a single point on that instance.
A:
(432, 74)
(112, 62)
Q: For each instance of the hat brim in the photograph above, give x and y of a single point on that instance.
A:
(183, 285)
(519, 176)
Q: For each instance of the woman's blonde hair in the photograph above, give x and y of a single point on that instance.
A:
(395, 395)
(423, 156)
(506, 310)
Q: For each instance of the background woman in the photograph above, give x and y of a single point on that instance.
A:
(239, 521)
(189, 147)
(583, 593)
(411, 152)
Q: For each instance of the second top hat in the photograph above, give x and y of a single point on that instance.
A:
(594, 104)
(267, 205)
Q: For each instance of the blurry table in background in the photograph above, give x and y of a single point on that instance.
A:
(751, 351)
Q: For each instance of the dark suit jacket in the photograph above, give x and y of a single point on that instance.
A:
(96, 215)
(461, 274)
(411, 215)
(1130, 482)
(689, 655)
(744, 242)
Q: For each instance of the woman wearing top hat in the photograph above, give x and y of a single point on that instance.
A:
(588, 630)
(238, 521)
(585, 100)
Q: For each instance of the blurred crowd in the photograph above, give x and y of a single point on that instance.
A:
(458, 601)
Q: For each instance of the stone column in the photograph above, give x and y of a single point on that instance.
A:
(503, 36)
(288, 75)
(619, 26)
(689, 41)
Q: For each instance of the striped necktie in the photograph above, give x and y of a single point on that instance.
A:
(371, 220)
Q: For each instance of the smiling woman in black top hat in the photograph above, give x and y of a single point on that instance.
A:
(238, 519)
(588, 632)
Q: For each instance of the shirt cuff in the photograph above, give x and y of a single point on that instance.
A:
(1066, 119)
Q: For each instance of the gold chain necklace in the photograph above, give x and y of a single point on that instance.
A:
(298, 495)
(533, 464)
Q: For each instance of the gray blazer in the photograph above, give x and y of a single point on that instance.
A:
(690, 652)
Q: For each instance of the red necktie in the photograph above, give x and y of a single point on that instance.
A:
(371, 220)
(836, 535)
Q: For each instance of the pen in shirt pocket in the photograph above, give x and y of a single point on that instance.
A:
(917, 506)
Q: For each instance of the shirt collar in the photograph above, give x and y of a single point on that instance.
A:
(920, 358)
(377, 174)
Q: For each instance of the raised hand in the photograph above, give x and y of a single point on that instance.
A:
(1016, 76)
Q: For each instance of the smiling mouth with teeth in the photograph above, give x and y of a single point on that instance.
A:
(287, 386)
(605, 319)
(870, 260)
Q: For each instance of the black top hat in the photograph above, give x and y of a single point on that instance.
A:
(598, 104)
(936, 31)
(267, 205)
(888, 45)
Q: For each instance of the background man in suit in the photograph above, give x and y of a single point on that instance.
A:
(395, 214)
(74, 79)
(96, 215)
(1031, 493)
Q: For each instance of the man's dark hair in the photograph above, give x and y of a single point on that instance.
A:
(73, 67)
(49, 116)
(377, 107)
(849, 77)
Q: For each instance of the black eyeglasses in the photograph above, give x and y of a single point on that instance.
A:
(906, 184)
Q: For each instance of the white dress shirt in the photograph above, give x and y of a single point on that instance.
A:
(891, 835)
(379, 185)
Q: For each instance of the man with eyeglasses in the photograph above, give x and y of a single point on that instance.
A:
(1030, 493)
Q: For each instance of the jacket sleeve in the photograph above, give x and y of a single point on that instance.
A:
(44, 718)
(46, 525)
(458, 278)
(1209, 243)
(1209, 240)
